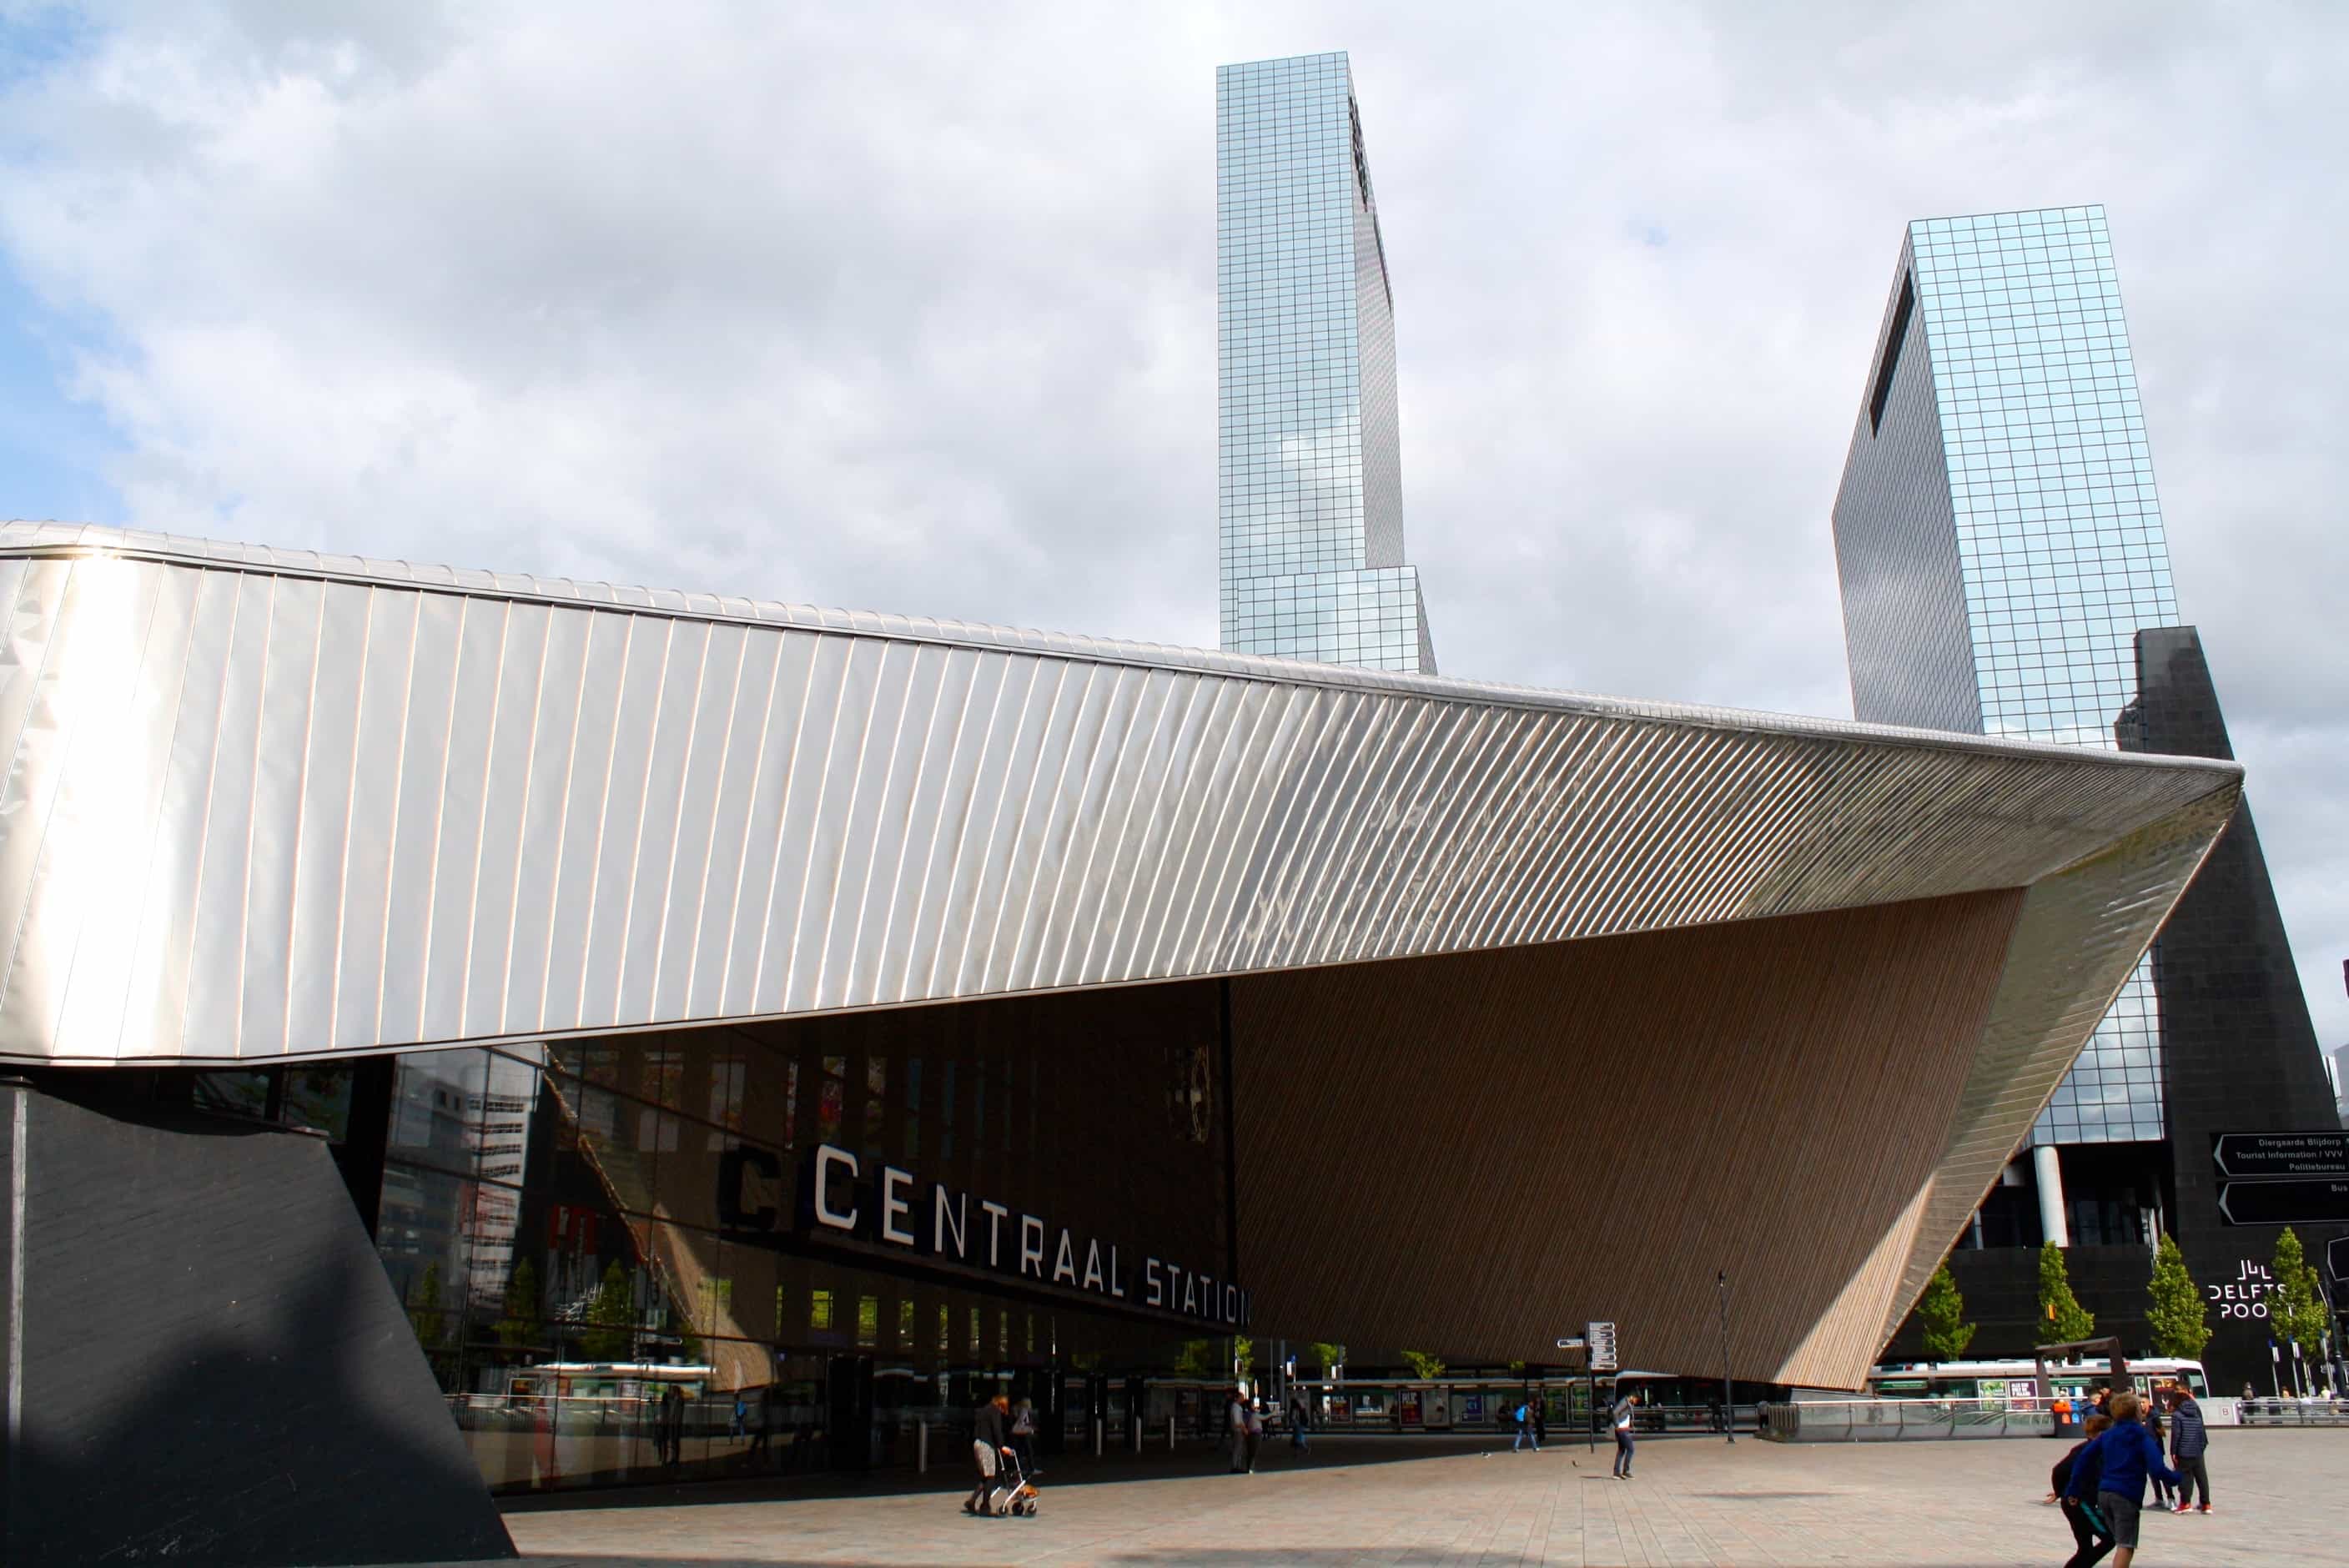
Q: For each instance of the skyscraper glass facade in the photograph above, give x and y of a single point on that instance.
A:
(1999, 540)
(1310, 499)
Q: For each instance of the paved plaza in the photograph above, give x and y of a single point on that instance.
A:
(1369, 1500)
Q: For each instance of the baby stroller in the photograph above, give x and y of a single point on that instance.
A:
(1011, 1493)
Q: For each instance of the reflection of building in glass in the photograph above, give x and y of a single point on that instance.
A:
(1309, 497)
(1999, 541)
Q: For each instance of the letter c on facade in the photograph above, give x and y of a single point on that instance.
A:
(825, 1214)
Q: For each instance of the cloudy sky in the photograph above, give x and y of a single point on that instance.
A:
(911, 307)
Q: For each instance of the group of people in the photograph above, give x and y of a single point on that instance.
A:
(2100, 1485)
(1244, 1427)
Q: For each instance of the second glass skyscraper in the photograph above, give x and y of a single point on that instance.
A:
(1310, 497)
(2000, 542)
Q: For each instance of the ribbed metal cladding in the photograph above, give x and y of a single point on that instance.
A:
(262, 803)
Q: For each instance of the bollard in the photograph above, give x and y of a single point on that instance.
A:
(1170, 1434)
(922, 1447)
(1099, 1426)
(1137, 1434)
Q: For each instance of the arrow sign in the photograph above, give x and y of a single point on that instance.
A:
(2311, 1202)
(2336, 1258)
(2257, 1155)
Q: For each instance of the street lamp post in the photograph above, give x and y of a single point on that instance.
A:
(1728, 1388)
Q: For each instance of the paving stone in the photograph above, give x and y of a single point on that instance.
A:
(1365, 1500)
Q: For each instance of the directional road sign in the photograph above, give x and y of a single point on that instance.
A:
(2257, 1155)
(2336, 1258)
(1602, 1337)
(2315, 1202)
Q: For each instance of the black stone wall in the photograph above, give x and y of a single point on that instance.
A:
(214, 1368)
(2240, 1053)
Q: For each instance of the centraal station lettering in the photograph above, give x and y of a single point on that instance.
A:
(889, 1207)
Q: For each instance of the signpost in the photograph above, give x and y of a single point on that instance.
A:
(2337, 1259)
(2261, 1156)
(2283, 1179)
(1600, 1338)
(2313, 1201)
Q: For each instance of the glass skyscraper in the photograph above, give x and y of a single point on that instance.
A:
(1309, 494)
(2000, 543)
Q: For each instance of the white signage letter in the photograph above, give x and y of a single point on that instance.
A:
(1064, 1262)
(946, 1218)
(996, 1214)
(826, 1158)
(894, 1183)
(1029, 1225)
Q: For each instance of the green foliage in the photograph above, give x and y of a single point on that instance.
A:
(2175, 1311)
(611, 1319)
(424, 1312)
(1199, 1358)
(2059, 1309)
(2296, 1305)
(1329, 1357)
(520, 1324)
(1243, 1357)
(1424, 1364)
(1942, 1313)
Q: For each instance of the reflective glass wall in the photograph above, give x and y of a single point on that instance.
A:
(1309, 472)
(603, 1245)
(2002, 416)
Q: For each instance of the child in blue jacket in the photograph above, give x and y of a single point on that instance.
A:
(2125, 1455)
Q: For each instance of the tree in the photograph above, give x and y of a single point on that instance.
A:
(1243, 1355)
(2176, 1312)
(519, 1323)
(611, 1319)
(2067, 1320)
(2296, 1305)
(1424, 1364)
(424, 1312)
(1329, 1358)
(1942, 1313)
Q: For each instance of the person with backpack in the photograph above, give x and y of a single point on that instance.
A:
(2125, 1454)
(2189, 1440)
(1525, 1420)
(2091, 1533)
(1621, 1417)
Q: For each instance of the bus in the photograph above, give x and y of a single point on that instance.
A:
(2014, 1384)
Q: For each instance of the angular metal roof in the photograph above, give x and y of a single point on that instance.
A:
(264, 804)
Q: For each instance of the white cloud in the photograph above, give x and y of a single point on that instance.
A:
(911, 307)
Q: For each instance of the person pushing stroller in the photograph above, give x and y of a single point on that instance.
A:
(990, 1446)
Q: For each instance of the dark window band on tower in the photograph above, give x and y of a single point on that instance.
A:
(1891, 360)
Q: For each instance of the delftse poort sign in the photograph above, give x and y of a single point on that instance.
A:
(2282, 1178)
(885, 1210)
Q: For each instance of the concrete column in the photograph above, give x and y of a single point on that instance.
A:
(2050, 1173)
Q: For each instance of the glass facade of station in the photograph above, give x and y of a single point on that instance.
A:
(1309, 495)
(2003, 416)
(606, 1246)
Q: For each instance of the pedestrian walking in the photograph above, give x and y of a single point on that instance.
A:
(672, 1425)
(1300, 1416)
(1236, 1430)
(2091, 1535)
(1023, 1437)
(1252, 1427)
(991, 1440)
(1525, 1420)
(2190, 1441)
(2126, 1455)
(2158, 1427)
(1621, 1418)
(1541, 1425)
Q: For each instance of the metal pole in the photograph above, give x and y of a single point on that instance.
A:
(922, 1447)
(1728, 1386)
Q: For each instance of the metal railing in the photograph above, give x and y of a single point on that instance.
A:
(1895, 1420)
